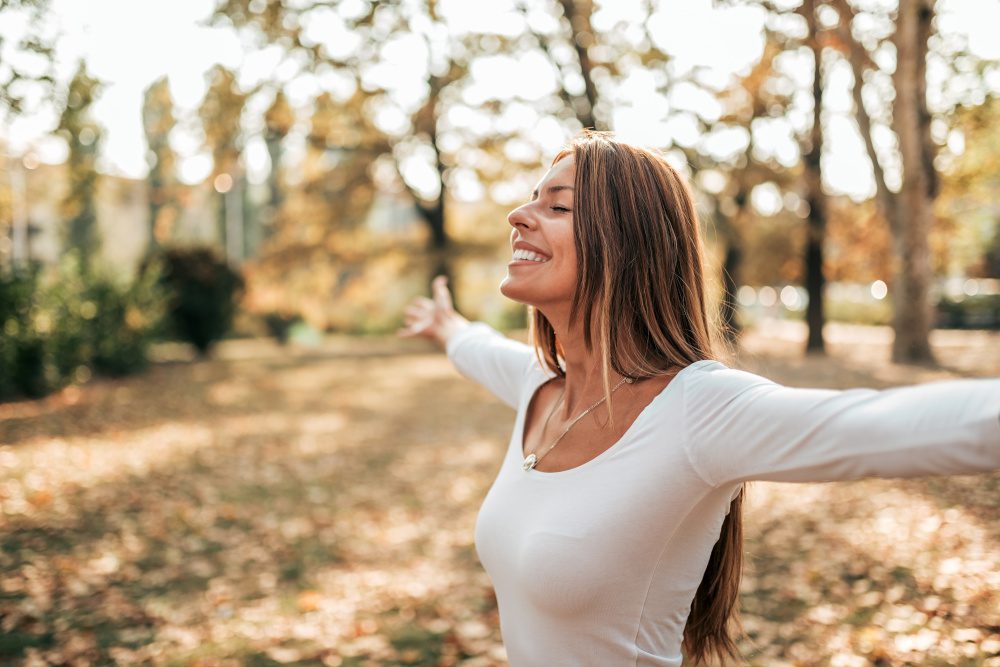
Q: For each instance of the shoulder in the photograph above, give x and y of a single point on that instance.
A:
(709, 383)
(717, 374)
(704, 384)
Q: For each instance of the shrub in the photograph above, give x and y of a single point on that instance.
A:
(513, 316)
(20, 361)
(203, 292)
(26, 367)
(128, 320)
(279, 324)
(981, 311)
(873, 313)
(103, 321)
(53, 329)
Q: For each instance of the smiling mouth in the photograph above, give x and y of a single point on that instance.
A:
(523, 256)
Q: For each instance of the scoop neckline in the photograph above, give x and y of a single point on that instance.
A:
(543, 474)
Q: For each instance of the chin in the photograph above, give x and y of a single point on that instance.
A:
(523, 293)
(513, 293)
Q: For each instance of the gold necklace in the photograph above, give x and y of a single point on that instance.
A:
(531, 459)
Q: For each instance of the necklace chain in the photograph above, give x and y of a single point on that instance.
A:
(553, 410)
(532, 459)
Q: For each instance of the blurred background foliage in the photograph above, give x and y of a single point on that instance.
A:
(64, 325)
(418, 137)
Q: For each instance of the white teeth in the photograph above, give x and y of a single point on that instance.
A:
(527, 254)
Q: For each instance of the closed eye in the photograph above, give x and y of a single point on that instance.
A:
(560, 209)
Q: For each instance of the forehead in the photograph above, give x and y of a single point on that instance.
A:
(561, 173)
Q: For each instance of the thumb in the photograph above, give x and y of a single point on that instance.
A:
(442, 297)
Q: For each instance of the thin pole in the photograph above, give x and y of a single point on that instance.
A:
(19, 217)
(234, 224)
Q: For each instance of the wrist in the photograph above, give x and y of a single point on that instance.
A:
(451, 326)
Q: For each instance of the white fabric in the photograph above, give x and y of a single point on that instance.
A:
(598, 565)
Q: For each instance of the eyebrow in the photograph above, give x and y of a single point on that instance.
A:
(552, 189)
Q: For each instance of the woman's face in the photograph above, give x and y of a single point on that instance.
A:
(545, 223)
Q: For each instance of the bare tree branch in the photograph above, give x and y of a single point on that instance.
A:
(856, 59)
(578, 15)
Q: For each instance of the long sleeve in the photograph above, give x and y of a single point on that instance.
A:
(741, 427)
(483, 354)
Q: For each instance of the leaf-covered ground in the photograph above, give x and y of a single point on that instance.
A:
(316, 507)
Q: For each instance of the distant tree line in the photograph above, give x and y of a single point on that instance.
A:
(591, 62)
(363, 135)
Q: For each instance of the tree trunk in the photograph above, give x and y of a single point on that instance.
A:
(20, 251)
(582, 35)
(276, 196)
(153, 190)
(728, 309)
(730, 229)
(911, 288)
(815, 282)
(434, 213)
(816, 223)
(232, 202)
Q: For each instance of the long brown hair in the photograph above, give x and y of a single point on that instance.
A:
(641, 290)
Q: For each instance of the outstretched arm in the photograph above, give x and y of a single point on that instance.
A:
(478, 351)
(742, 427)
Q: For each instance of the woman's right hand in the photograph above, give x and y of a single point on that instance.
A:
(432, 318)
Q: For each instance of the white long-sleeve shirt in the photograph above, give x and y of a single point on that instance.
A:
(598, 564)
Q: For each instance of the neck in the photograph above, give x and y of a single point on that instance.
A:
(584, 382)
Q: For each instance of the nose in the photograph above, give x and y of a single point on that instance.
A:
(518, 218)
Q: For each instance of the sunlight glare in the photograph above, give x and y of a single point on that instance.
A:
(697, 33)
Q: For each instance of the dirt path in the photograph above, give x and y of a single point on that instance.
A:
(282, 506)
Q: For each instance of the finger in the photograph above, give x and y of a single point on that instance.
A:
(414, 320)
(423, 304)
(416, 326)
(423, 315)
(442, 297)
(411, 329)
(415, 310)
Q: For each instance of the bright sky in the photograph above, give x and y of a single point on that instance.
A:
(130, 43)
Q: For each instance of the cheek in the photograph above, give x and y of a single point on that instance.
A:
(566, 267)
(568, 254)
(561, 236)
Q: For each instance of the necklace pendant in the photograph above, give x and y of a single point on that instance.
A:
(529, 462)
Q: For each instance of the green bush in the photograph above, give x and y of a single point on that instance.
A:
(21, 369)
(26, 333)
(59, 326)
(279, 324)
(513, 316)
(128, 320)
(103, 321)
(981, 311)
(875, 313)
(203, 292)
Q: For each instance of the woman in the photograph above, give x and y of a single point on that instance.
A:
(612, 531)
